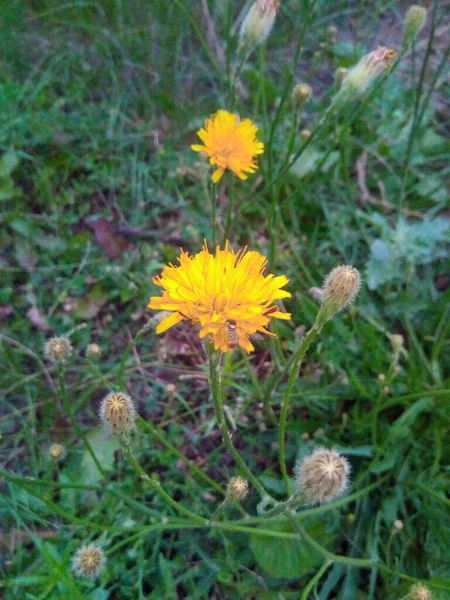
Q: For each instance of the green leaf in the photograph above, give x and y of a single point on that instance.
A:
(8, 162)
(104, 449)
(287, 557)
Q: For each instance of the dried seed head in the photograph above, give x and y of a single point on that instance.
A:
(415, 20)
(118, 413)
(237, 489)
(93, 350)
(419, 592)
(257, 24)
(367, 70)
(340, 288)
(89, 561)
(305, 134)
(56, 451)
(57, 349)
(301, 94)
(322, 476)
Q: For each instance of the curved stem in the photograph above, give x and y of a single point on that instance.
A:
(215, 371)
(298, 358)
(78, 430)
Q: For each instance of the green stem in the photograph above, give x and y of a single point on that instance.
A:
(314, 580)
(214, 215)
(78, 430)
(157, 487)
(128, 349)
(231, 201)
(215, 371)
(298, 358)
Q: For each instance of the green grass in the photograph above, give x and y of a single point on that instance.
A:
(99, 103)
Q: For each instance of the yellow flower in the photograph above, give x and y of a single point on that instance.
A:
(230, 144)
(226, 295)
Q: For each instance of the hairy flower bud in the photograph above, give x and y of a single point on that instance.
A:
(415, 20)
(419, 592)
(89, 561)
(397, 343)
(305, 134)
(301, 94)
(340, 74)
(257, 24)
(322, 476)
(340, 288)
(56, 451)
(93, 351)
(57, 349)
(237, 489)
(118, 413)
(366, 71)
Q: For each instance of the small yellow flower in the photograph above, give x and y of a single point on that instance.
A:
(230, 144)
(227, 295)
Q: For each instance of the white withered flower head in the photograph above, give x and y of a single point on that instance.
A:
(89, 561)
(118, 413)
(257, 24)
(419, 592)
(237, 489)
(57, 349)
(93, 350)
(322, 476)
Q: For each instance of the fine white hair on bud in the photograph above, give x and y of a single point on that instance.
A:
(415, 20)
(237, 489)
(257, 24)
(57, 349)
(359, 77)
(340, 288)
(322, 476)
(118, 413)
(89, 561)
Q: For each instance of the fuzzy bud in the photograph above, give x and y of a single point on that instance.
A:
(57, 349)
(340, 74)
(56, 451)
(257, 24)
(419, 592)
(93, 351)
(340, 288)
(237, 489)
(322, 476)
(305, 134)
(397, 343)
(366, 71)
(301, 94)
(89, 561)
(118, 413)
(415, 20)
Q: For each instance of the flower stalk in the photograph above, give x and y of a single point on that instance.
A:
(215, 378)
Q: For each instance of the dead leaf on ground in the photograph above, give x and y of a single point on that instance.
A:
(108, 239)
(37, 319)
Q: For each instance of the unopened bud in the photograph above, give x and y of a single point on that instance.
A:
(56, 451)
(331, 33)
(57, 349)
(340, 74)
(340, 288)
(415, 20)
(89, 561)
(118, 413)
(301, 94)
(397, 343)
(366, 71)
(93, 351)
(305, 134)
(419, 592)
(381, 377)
(237, 489)
(398, 524)
(257, 24)
(322, 476)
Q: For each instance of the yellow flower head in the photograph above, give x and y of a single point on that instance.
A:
(230, 144)
(226, 295)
